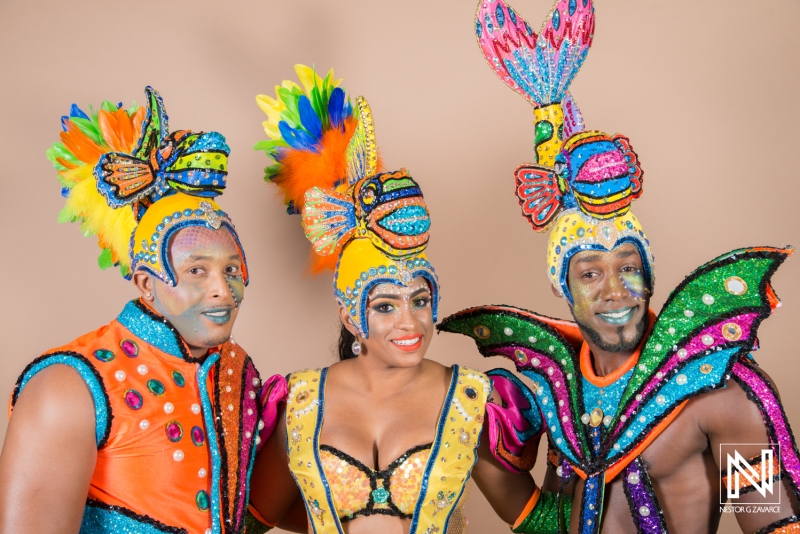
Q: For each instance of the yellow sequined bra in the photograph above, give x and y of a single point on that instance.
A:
(426, 484)
(358, 490)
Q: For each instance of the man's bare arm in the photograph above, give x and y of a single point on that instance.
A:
(48, 456)
(735, 419)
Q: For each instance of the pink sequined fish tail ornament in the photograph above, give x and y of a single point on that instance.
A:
(540, 67)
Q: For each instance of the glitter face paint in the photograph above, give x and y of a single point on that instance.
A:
(611, 297)
(635, 283)
(400, 320)
(204, 303)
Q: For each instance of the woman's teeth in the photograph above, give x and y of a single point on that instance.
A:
(406, 342)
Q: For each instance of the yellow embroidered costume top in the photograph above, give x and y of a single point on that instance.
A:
(426, 484)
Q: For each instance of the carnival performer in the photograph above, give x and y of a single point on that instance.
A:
(639, 409)
(385, 440)
(150, 423)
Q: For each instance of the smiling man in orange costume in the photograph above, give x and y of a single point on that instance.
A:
(150, 423)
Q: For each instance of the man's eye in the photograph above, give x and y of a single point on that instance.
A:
(233, 270)
(195, 270)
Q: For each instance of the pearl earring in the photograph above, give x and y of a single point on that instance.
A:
(356, 347)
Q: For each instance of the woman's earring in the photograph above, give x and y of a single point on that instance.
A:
(356, 347)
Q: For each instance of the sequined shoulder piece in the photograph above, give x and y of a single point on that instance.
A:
(304, 413)
(454, 452)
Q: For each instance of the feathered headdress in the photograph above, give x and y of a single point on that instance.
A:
(132, 183)
(370, 227)
(579, 175)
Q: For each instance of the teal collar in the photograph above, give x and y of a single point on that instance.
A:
(154, 329)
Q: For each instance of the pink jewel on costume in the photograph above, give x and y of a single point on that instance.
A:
(129, 348)
(198, 437)
(174, 431)
(133, 399)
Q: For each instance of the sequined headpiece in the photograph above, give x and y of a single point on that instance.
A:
(581, 187)
(373, 224)
(133, 184)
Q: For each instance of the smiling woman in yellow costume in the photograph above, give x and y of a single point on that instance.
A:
(385, 439)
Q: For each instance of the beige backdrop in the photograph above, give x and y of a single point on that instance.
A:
(707, 92)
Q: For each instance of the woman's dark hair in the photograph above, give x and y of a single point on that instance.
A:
(346, 340)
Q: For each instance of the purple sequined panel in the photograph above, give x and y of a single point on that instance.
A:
(558, 384)
(642, 500)
(774, 417)
(249, 422)
(707, 339)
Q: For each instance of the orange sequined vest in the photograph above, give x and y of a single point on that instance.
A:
(176, 436)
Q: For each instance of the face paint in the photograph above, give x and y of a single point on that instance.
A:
(400, 320)
(610, 297)
(203, 304)
(634, 282)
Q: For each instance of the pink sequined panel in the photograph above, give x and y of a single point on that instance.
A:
(349, 485)
(407, 479)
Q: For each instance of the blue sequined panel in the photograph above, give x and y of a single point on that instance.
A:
(156, 333)
(697, 375)
(609, 395)
(102, 408)
(113, 520)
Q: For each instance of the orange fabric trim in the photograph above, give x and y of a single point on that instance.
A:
(744, 483)
(537, 492)
(587, 369)
(623, 462)
(617, 468)
(254, 512)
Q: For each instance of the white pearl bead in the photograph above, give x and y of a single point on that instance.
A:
(536, 362)
(638, 396)
(564, 419)
(558, 441)
(629, 433)
(642, 419)
(708, 299)
(260, 424)
(177, 455)
(247, 434)
(227, 389)
(169, 407)
(688, 313)
(559, 470)
(144, 424)
(507, 331)
(258, 440)
(209, 531)
(249, 411)
(708, 340)
(255, 382)
(195, 408)
(633, 478)
(120, 375)
(202, 473)
(532, 339)
(230, 371)
(658, 346)
(671, 331)
(607, 420)
(251, 394)
(682, 354)
(680, 379)
(616, 446)
(661, 399)
(142, 369)
(585, 419)
(623, 418)
(644, 511)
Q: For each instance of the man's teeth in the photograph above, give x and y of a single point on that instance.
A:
(217, 313)
(617, 314)
(405, 341)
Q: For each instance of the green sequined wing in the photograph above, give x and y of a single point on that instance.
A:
(544, 351)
